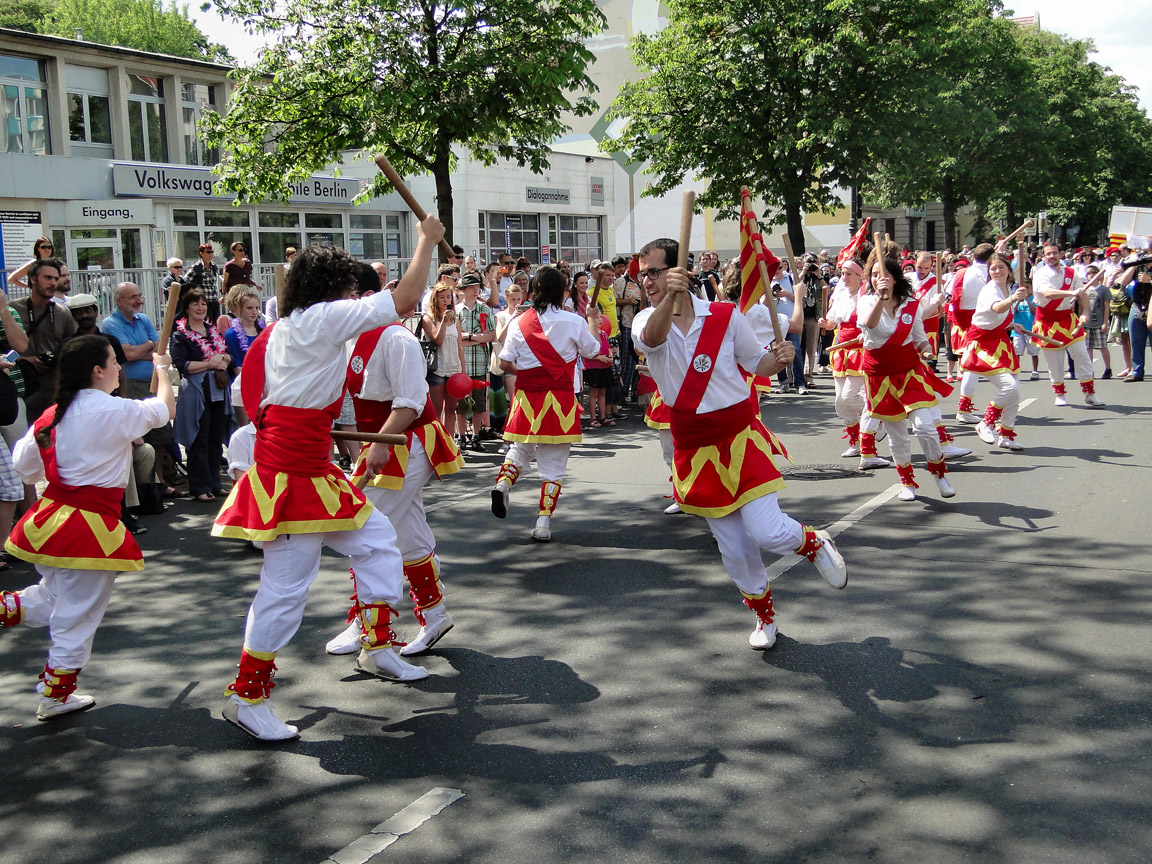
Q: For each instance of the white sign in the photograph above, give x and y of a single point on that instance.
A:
(544, 195)
(149, 181)
(18, 231)
(108, 213)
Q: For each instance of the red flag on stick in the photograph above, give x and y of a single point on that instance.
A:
(855, 244)
(752, 285)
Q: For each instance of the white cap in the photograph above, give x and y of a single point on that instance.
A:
(79, 301)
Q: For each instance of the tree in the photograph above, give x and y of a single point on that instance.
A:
(782, 96)
(419, 81)
(146, 25)
(26, 15)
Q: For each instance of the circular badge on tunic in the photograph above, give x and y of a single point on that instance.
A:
(906, 318)
(701, 362)
(357, 364)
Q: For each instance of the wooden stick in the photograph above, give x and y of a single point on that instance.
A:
(398, 182)
(764, 278)
(843, 346)
(166, 327)
(1046, 340)
(1028, 223)
(368, 437)
(686, 208)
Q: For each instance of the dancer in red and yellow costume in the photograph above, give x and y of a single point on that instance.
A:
(544, 421)
(723, 465)
(1058, 292)
(387, 380)
(73, 535)
(900, 387)
(293, 498)
(989, 352)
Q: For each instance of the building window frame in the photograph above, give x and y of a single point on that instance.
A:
(194, 103)
(88, 128)
(147, 110)
(24, 130)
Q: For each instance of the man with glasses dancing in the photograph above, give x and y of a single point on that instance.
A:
(723, 468)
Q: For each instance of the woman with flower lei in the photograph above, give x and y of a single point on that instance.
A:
(204, 408)
(243, 302)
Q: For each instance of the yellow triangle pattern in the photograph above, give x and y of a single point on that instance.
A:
(109, 540)
(266, 503)
(729, 474)
(549, 405)
(37, 535)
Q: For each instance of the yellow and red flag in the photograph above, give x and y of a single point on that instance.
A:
(855, 244)
(752, 286)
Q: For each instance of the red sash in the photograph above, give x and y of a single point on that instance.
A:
(849, 329)
(252, 378)
(926, 286)
(98, 499)
(1050, 303)
(554, 371)
(707, 348)
(370, 413)
(895, 356)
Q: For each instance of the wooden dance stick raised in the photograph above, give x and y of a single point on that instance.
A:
(745, 195)
(398, 182)
(166, 327)
(686, 208)
(1028, 223)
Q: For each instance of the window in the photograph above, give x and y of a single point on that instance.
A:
(324, 229)
(515, 233)
(23, 106)
(147, 125)
(196, 99)
(581, 239)
(890, 228)
(929, 235)
(89, 119)
(374, 236)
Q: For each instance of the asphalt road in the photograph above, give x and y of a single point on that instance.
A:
(979, 692)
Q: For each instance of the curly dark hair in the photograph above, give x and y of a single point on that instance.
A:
(79, 356)
(901, 287)
(547, 288)
(39, 264)
(319, 274)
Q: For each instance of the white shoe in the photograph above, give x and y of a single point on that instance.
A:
(1009, 443)
(50, 709)
(437, 622)
(1061, 402)
(1068, 376)
(1093, 400)
(802, 390)
(965, 417)
(906, 493)
(384, 663)
(258, 720)
(951, 451)
(672, 509)
(867, 462)
(830, 562)
(763, 637)
(946, 489)
(500, 494)
(987, 433)
(348, 642)
(1035, 376)
(543, 529)
(852, 451)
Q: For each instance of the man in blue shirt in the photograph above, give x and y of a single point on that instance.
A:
(131, 326)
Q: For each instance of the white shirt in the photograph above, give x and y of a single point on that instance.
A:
(307, 355)
(975, 277)
(567, 332)
(271, 307)
(760, 320)
(668, 363)
(876, 337)
(1044, 277)
(396, 372)
(984, 317)
(93, 441)
(242, 449)
(842, 305)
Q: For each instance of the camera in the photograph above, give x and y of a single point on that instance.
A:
(48, 358)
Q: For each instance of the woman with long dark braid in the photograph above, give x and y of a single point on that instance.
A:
(73, 534)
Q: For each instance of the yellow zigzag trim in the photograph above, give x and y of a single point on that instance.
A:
(550, 404)
(994, 361)
(265, 503)
(898, 392)
(730, 475)
(38, 534)
(331, 490)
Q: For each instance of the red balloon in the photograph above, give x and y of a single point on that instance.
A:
(458, 385)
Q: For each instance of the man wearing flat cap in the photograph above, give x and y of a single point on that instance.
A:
(477, 323)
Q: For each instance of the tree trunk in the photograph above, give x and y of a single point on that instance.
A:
(795, 223)
(948, 199)
(443, 175)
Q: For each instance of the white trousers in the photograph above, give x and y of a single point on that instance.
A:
(71, 604)
(850, 401)
(404, 507)
(291, 563)
(968, 382)
(759, 524)
(551, 459)
(666, 448)
(1007, 396)
(1078, 351)
(923, 422)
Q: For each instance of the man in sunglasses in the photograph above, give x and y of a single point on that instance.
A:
(723, 466)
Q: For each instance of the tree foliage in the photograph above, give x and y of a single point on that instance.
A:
(146, 25)
(783, 96)
(418, 81)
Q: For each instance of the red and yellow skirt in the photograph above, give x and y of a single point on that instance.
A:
(1063, 326)
(657, 415)
(62, 535)
(543, 417)
(848, 362)
(932, 331)
(438, 445)
(722, 460)
(989, 352)
(891, 397)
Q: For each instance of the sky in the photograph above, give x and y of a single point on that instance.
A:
(1120, 31)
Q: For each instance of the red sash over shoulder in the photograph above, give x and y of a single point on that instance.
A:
(848, 361)
(897, 379)
(1063, 325)
(77, 527)
(292, 486)
(544, 410)
(722, 459)
(371, 415)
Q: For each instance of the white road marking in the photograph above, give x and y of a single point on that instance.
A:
(1025, 404)
(363, 849)
(836, 528)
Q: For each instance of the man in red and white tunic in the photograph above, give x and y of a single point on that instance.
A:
(293, 498)
(723, 466)
(965, 293)
(387, 380)
(544, 421)
(1058, 292)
